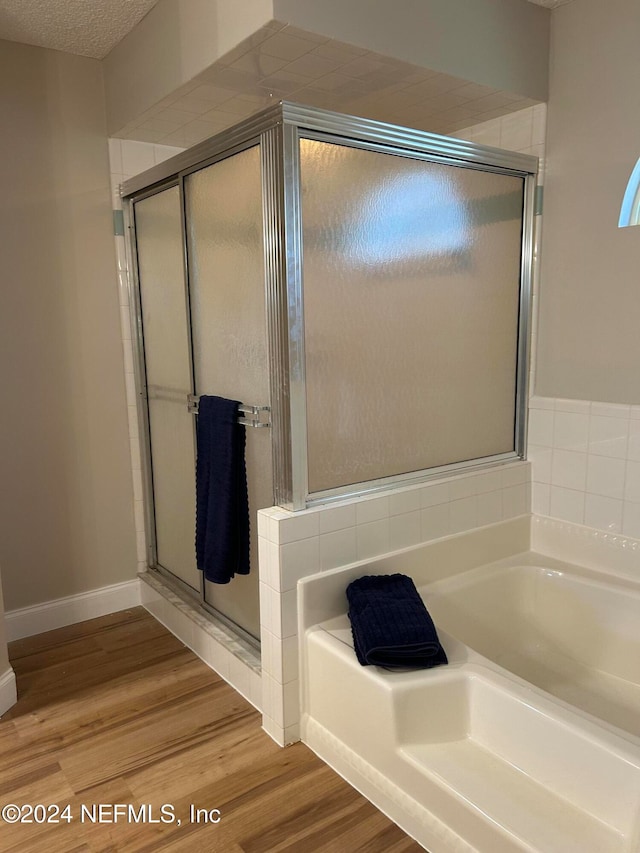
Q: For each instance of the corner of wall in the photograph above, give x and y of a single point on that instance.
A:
(8, 691)
(172, 44)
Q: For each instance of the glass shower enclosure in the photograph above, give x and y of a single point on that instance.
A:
(362, 288)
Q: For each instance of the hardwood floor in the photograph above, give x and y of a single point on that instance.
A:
(118, 711)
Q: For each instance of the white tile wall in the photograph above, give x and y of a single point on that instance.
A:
(523, 131)
(296, 545)
(585, 463)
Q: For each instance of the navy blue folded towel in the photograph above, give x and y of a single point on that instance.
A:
(222, 506)
(390, 624)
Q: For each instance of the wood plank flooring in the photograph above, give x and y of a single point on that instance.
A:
(118, 711)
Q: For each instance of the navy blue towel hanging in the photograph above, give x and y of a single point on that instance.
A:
(222, 506)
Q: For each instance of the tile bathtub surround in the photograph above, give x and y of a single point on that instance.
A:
(611, 553)
(585, 460)
(295, 545)
(523, 131)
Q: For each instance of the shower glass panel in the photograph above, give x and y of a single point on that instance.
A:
(411, 282)
(167, 360)
(369, 283)
(223, 204)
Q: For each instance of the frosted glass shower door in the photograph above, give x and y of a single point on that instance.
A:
(411, 272)
(223, 204)
(168, 380)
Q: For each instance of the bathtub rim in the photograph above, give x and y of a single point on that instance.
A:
(321, 596)
(536, 560)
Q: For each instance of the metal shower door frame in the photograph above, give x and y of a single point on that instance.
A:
(278, 131)
(299, 122)
(222, 147)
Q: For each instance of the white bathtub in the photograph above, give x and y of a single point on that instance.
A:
(529, 740)
(573, 632)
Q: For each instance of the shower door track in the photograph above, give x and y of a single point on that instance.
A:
(192, 596)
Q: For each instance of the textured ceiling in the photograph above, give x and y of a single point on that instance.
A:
(85, 27)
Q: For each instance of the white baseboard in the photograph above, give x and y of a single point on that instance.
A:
(8, 693)
(27, 621)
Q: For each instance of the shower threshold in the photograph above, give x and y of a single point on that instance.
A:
(232, 656)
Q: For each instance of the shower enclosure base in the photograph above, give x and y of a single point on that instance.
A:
(233, 658)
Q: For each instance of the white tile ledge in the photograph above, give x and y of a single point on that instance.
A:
(593, 407)
(609, 552)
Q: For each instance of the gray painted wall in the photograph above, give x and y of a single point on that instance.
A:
(498, 43)
(589, 322)
(172, 44)
(66, 502)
